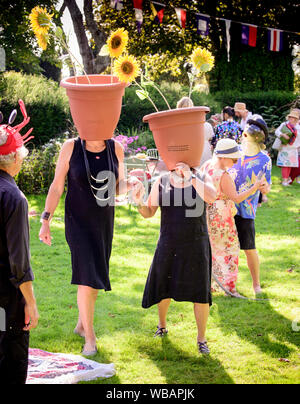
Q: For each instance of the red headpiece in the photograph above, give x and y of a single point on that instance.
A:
(14, 139)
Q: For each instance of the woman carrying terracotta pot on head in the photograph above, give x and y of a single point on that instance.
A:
(220, 214)
(94, 170)
(181, 267)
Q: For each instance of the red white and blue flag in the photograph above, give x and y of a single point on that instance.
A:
(249, 34)
(181, 15)
(138, 8)
(275, 40)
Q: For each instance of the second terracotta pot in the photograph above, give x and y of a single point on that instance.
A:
(95, 104)
(179, 135)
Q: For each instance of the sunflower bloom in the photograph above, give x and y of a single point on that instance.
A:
(127, 68)
(40, 20)
(42, 40)
(117, 43)
(202, 59)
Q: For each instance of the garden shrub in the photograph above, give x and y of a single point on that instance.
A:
(134, 109)
(38, 167)
(46, 104)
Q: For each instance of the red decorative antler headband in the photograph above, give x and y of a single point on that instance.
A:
(14, 139)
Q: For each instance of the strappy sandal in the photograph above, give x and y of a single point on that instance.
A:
(203, 348)
(161, 332)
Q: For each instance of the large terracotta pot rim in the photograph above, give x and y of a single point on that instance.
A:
(70, 83)
(178, 111)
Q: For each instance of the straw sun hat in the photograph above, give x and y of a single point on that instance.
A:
(240, 107)
(228, 148)
(295, 113)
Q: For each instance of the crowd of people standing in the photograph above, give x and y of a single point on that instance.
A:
(235, 170)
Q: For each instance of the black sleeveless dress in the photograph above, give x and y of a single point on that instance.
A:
(88, 226)
(181, 267)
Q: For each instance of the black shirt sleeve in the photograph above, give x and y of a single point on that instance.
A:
(17, 236)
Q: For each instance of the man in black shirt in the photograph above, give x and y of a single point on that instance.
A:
(18, 310)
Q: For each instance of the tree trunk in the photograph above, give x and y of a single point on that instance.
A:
(92, 63)
(99, 37)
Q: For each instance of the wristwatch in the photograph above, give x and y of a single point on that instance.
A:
(45, 216)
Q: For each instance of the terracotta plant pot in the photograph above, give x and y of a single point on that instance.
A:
(95, 107)
(179, 135)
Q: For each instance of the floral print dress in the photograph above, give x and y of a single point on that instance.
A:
(222, 232)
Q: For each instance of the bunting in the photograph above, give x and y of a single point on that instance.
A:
(249, 34)
(275, 40)
(203, 22)
(158, 11)
(116, 4)
(181, 15)
(228, 37)
(138, 8)
(248, 31)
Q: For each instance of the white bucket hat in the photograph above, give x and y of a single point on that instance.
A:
(228, 148)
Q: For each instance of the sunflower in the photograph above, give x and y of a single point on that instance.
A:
(202, 59)
(127, 68)
(40, 20)
(117, 43)
(42, 40)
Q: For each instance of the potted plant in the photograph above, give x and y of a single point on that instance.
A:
(179, 133)
(95, 100)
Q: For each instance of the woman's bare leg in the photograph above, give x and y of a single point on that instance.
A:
(163, 307)
(201, 315)
(86, 300)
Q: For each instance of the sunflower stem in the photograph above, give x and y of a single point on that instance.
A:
(72, 56)
(164, 98)
(148, 97)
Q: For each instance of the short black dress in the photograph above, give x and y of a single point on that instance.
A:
(88, 226)
(181, 267)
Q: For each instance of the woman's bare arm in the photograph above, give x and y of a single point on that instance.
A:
(57, 188)
(228, 188)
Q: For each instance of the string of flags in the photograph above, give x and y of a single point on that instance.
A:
(248, 31)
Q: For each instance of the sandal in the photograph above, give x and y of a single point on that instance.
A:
(161, 332)
(203, 348)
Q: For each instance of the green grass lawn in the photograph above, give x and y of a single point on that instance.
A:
(247, 339)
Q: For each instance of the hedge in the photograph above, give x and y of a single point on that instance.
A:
(46, 104)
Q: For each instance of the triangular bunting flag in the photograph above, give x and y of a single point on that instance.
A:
(181, 14)
(139, 18)
(228, 38)
(275, 40)
(249, 34)
(117, 4)
(158, 11)
(203, 22)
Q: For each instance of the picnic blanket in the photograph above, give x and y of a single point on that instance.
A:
(57, 368)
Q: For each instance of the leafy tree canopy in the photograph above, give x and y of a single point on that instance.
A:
(16, 37)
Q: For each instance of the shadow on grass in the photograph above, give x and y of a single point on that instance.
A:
(259, 324)
(179, 367)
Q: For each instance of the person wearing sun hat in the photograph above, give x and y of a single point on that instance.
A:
(242, 113)
(17, 301)
(289, 134)
(254, 165)
(220, 214)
